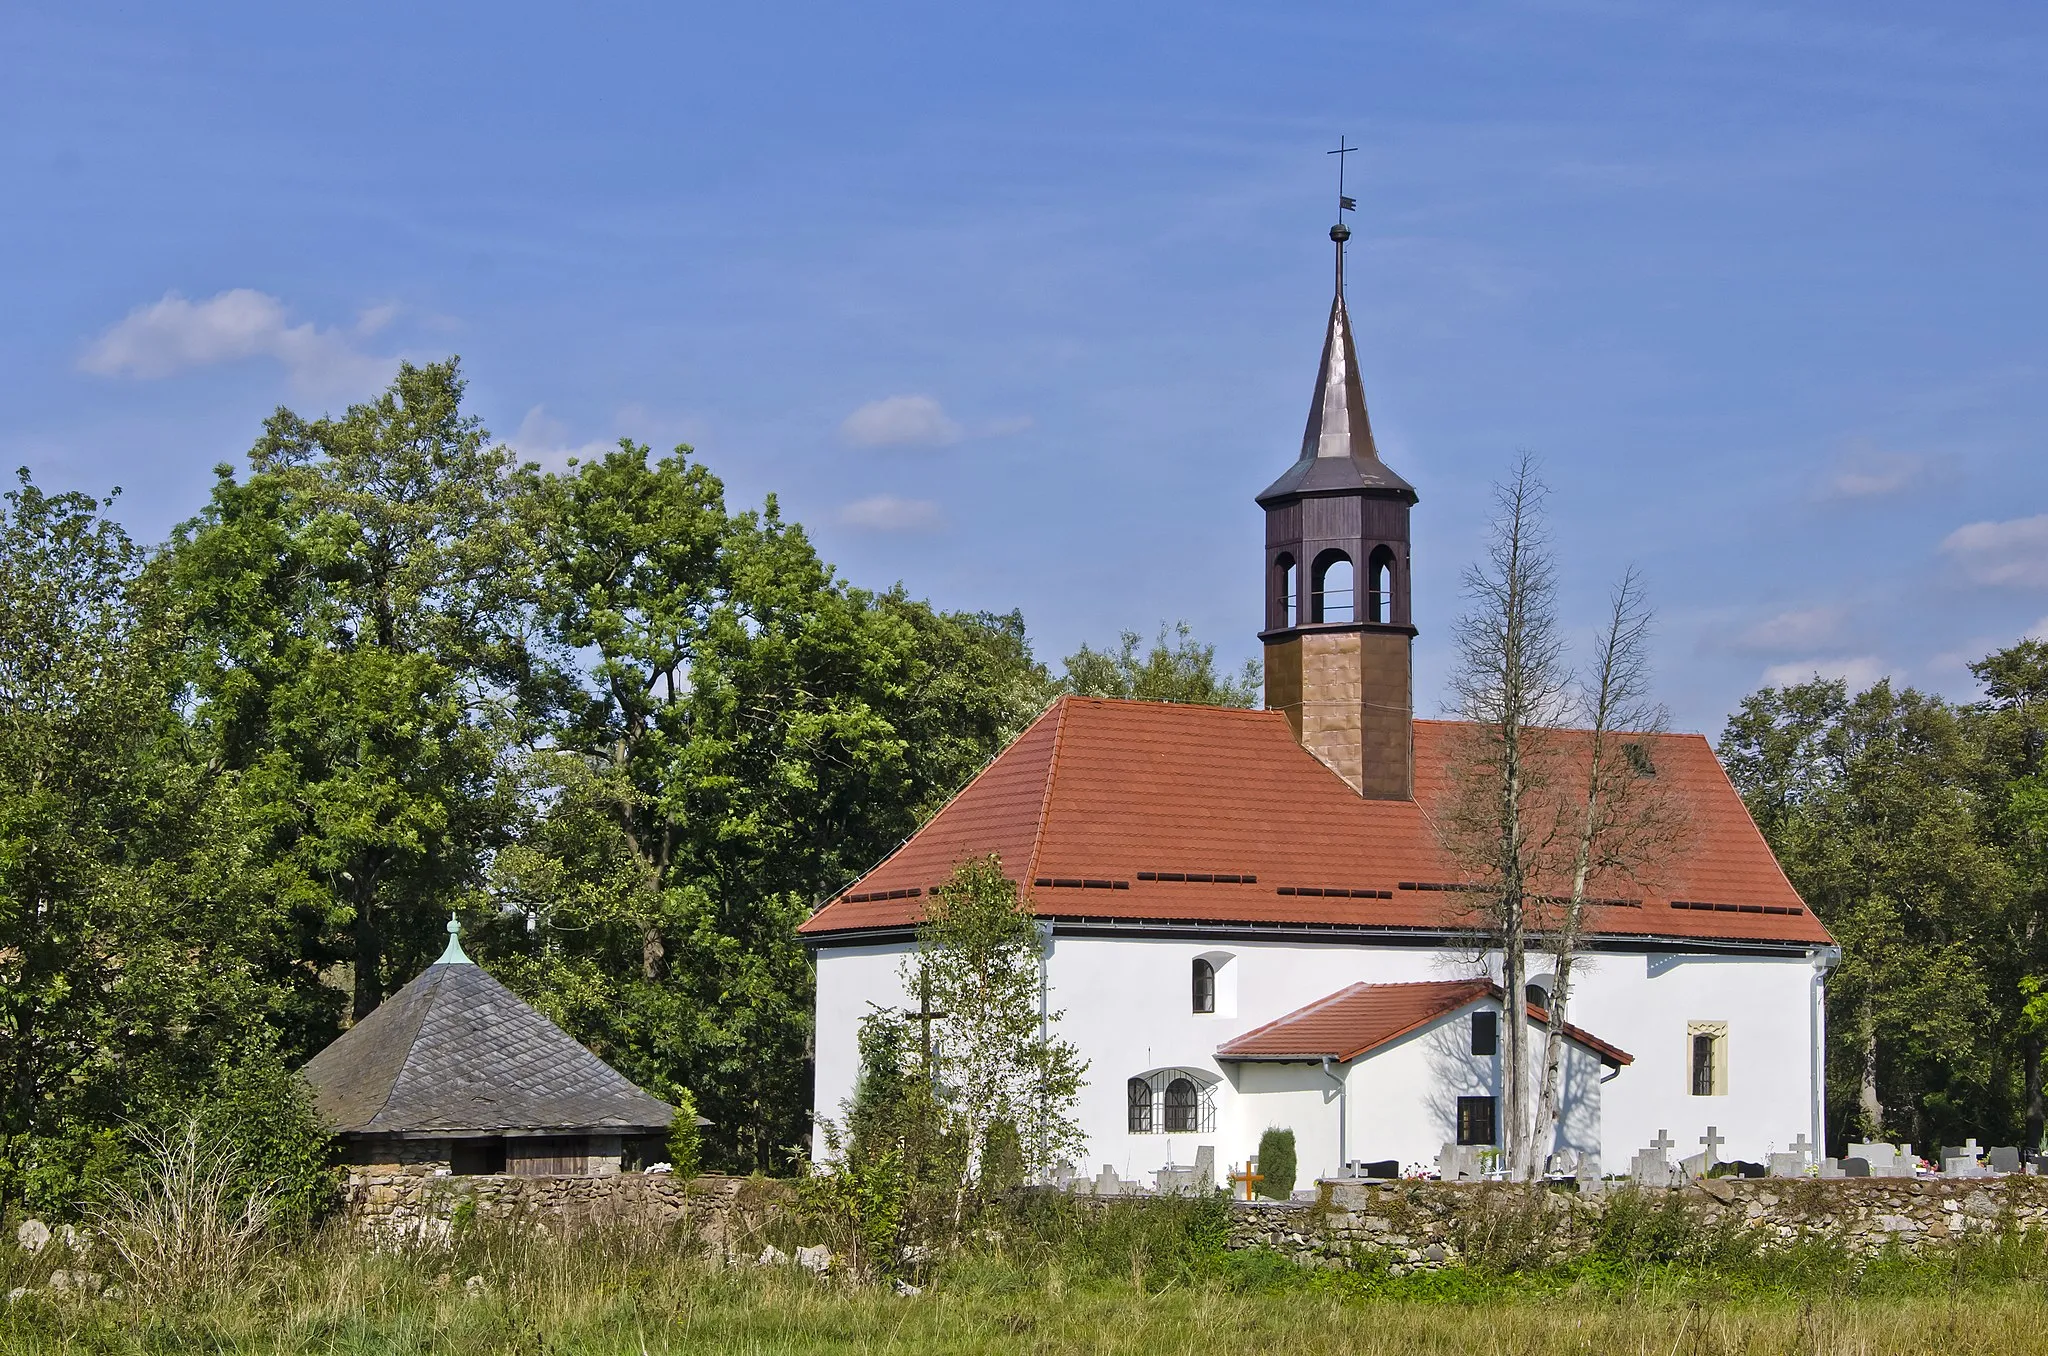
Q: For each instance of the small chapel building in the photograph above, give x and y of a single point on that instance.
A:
(1249, 921)
(455, 1074)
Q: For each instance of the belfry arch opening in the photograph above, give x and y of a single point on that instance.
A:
(1379, 585)
(1332, 599)
(1287, 584)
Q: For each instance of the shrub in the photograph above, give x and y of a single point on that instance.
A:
(1276, 1164)
(685, 1137)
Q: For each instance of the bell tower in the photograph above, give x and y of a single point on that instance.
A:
(1339, 633)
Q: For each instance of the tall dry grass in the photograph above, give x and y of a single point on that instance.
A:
(189, 1226)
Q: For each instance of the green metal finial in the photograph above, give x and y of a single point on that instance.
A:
(453, 955)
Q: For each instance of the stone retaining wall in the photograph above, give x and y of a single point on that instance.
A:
(724, 1213)
(1403, 1225)
(1425, 1225)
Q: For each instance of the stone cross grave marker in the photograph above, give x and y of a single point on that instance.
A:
(1106, 1183)
(1205, 1168)
(1713, 1139)
(1802, 1148)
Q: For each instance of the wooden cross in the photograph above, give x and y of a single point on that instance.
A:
(1713, 1140)
(1663, 1144)
(1248, 1176)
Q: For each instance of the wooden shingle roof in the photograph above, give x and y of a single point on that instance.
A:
(455, 1052)
(1123, 810)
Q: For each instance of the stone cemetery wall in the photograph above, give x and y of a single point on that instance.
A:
(399, 1207)
(1426, 1225)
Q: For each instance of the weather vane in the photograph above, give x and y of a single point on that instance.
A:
(1340, 232)
(1344, 204)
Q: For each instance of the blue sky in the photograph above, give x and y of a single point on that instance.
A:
(1022, 306)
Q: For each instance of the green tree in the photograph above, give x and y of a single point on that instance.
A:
(745, 734)
(1873, 806)
(134, 952)
(361, 660)
(1176, 669)
(995, 1063)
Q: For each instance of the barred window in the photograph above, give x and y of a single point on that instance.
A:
(1182, 1105)
(1476, 1120)
(1171, 1101)
(1138, 1093)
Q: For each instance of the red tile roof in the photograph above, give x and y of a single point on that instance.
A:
(1201, 814)
(1363, 1017)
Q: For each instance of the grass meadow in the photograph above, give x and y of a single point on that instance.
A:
(1152, 1282)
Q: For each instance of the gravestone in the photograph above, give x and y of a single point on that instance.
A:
(1458, 1163)
(1711, 1155)
(1382, 1170)
(1855, 1167)
(1963, 1162)
(1831, 1170)
(1174, 1180)
(1788, 1165)
(1106, 1183)
(1883, 1160)
(2004, 1159)
(1587, 1175)
(1747, 1169)
(1696, 1166)
(1205, 1169)
(1651, 1167)
(1063, 1174)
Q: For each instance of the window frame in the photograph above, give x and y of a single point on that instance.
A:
(1712, 1039)
(1203, 999)
(1138, 1106)
(1469, 1112)
(1486, 1021)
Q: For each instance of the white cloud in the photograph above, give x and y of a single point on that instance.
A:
(1859, 672)
(887, 513)
(2038, 631)
(900, 421)
(547, 440)
(175, 334)
(1867, 473)
(1800, 629)
(2014, 552)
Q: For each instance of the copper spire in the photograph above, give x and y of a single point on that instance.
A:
(1337, 423)
(1337, 448)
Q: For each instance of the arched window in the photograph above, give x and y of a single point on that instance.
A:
(1332, 599)
(1379, 583)
(1536, 992)
(1181, 1106)
(1205, 986)
(1287, 577)
(1138, 1095)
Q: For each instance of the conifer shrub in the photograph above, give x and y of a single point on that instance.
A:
(685, 1138)
(1276, 1163)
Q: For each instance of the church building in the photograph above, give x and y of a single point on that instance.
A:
(1251, 922)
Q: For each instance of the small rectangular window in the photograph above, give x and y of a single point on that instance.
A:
(477, 1157)
(1706, 1058)
(1485, 1033)
(1476, 1120)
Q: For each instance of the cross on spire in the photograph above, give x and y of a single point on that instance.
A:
(1340, 232)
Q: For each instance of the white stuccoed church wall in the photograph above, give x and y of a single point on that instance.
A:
(1127, 1003)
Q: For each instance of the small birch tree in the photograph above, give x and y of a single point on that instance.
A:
(994, 1060)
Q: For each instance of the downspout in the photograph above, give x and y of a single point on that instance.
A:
(1825, 958)
(1343, 1161)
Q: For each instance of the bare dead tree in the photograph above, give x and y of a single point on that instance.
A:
(1496, 821)
(1622, 821)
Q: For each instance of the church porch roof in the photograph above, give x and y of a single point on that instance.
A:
(1361, 1018)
